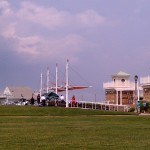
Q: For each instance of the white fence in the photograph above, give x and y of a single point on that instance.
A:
(100, 106)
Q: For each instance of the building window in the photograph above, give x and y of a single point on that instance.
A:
(123, 80)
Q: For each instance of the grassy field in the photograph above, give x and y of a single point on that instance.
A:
(52, 111)
(49, 128)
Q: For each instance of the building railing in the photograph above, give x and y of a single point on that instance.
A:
(145, 80)
(118, 85)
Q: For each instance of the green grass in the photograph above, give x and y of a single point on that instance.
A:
(67, 129)
(52, 111)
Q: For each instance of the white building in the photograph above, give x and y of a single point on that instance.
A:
(15, 93)
(145, 84)
(120, 90)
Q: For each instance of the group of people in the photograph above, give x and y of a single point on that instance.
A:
(32, 100)
(73, 100)
(139, 106)
(43, 101)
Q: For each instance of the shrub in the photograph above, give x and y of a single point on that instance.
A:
(131, 109)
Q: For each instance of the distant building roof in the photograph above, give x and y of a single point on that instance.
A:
(121, 74)
(18, 92)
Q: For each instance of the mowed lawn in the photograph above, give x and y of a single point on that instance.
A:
(65, 129)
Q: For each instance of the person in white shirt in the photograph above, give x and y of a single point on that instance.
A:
(62, 98)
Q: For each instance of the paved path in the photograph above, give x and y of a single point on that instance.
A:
(144, 114)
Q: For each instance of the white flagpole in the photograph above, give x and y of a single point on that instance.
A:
(47, 79)
(56, 79)
(41, 88)
(67, 80)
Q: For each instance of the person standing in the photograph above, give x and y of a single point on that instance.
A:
(38, 99)
(43, 100)
(62, 98)
(32, 100)
(144, 105)
(73, 101)
(138, 107)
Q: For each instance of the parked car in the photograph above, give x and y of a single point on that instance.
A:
(50, 96)
(50, 99)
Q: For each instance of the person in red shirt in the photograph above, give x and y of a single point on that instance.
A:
(73, 101)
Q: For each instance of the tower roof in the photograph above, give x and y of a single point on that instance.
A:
(121, 74)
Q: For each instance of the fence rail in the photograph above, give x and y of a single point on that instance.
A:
(100, 106)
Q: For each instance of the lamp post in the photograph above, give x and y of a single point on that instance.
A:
(136, 93)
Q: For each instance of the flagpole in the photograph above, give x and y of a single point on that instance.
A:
(47, 79)
(67, 80)
(56, 79)
(41, 87)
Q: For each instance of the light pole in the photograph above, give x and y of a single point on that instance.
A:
(136, 92)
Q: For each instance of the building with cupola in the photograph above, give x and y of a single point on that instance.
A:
(120, 90)
(145, 84)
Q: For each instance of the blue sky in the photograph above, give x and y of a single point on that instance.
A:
(99, 37)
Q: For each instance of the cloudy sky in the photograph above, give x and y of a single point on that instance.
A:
(99, 37)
